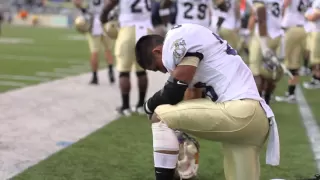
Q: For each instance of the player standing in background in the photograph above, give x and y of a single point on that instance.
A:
(97, 38)
(295, 35)
(135, 22)
(313, 15)
(231, 23)
(190, 11)
(265, 41)
(1, 21)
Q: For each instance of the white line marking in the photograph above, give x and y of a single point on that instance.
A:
(68, 70)
(310, 124)
(11, 40)
(5, 57)
(23, 78)
(34, 119)
(51, 74)
(14, 84)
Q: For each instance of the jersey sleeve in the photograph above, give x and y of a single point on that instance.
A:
(180, 42)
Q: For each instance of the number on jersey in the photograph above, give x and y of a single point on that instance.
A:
(135, 9)
(202, 10)
(275, 9)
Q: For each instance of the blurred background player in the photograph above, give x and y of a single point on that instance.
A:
(231, 23)
(313, 15)
(97, 38)
(135, 22)
(265, 42)
(295, 35)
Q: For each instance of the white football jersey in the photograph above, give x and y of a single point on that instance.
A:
(294, 13)
(134, 11)
(230, 21)
(274, 10)
(95, 6)
(221, 70)
(194, 11)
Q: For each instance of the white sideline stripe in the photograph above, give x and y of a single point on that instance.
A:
(13, 84)
(4, 57)
(23, 78)
(35, 118)
(51, 74)
(310, 124)
(68, 70)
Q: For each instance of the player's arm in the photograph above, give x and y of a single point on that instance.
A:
(79, 4)
(176, 86)
(193, 93)
(261, 15)
(109, 5)
(286, 4)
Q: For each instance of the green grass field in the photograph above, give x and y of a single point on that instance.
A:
(122, 150)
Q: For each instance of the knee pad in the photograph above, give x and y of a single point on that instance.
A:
(294, 72)
(124, 74)
(164, 138)
(141, 73)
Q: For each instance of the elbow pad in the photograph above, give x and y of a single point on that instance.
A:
(172, 93)
(223, 7)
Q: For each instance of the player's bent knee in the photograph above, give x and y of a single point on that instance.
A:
(124, 74)
(164, 138)
(141, 73)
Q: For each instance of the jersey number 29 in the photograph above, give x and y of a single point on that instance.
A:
(202, 9)
(135, 9)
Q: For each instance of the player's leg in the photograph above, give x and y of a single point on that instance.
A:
(108, 50)
(94, 46)
(142, 79)
(255, 59)
(314, 61)
(294, 39)
(242, 124)
(124, 52)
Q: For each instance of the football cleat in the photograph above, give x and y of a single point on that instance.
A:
(188, 159)
(139, 110)
(313, 84)
(124, 111)
(287, 98)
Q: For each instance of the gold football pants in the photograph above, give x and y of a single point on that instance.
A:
(240, 125)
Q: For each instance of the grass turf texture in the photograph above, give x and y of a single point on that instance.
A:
(49, 49)
(122, 150)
